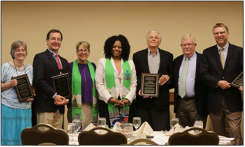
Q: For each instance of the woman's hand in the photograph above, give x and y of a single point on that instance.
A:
(13, 82)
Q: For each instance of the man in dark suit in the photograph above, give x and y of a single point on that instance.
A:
(49, 105)
(154, 110)
(190, 100)
(221, 64)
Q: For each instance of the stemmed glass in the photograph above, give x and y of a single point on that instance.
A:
(174, 121)
(136, 122)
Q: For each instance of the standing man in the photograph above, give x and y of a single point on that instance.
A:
(49, 105)
(154, 110)
(190, 93)
(222, 63)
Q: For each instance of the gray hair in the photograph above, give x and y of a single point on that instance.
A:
(153, 31)
(15, 45)
(187, 36)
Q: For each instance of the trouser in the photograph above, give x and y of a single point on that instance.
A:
(234, 121)
(53, 118)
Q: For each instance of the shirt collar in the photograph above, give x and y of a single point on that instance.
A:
(52, 52)
(192, 57)
(225, 47)
(150, 53)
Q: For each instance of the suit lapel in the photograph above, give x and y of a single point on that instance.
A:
(197, 66)
(229, 55)
(216, 56)
(144, 61)
(52, 60)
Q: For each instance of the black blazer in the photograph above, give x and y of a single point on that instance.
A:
(200, 87)
(140, 59)
(44, 67)
(212, 71)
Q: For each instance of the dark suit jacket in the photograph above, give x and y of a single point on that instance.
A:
(161, 102)
(212, 72)
(200, 87)
(44, 67)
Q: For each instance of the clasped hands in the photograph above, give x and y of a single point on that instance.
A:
(118, 102)
(60, 100)
(162, 80)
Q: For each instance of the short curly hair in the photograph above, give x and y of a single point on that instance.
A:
(109, 45)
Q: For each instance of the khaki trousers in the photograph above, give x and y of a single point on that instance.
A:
(234, 121)
(87, 116)
(53, 118)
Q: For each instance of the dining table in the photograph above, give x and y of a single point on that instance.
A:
(158, 136)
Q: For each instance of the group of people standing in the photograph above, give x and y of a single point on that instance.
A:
(201, 85)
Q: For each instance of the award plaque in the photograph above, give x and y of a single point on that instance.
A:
(23, 88)
(149, 84)
(238, 81)
(61, 84)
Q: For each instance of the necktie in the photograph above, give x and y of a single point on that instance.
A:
(222, 57)
(182, 92)
(58, 61)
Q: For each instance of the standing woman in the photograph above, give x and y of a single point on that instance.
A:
(84, 94)
(116, 81)
(15, 115)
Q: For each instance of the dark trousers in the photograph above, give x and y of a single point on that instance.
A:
(157, 119)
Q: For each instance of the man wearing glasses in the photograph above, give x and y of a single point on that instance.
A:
(190, 93)
(221, 64)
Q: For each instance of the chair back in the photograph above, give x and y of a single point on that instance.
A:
(185, 138)
(93, 137)
(34, 136)
(142, 142)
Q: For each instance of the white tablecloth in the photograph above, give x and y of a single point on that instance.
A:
(159, 138)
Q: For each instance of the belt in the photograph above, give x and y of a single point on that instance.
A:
(187, 98)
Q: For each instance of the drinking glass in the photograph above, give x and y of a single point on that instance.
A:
(128, 131)
(198, 124)
(174, 121)
(136, 122)
(77, 122)
(101, 121)
(71, 128)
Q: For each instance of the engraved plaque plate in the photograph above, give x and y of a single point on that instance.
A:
(238, 81)
(23, 88)
(149, 84)
(61, 84)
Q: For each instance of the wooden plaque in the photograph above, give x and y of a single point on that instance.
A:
(61, 84)
(238, 81)
(149, 84)
(23, 88)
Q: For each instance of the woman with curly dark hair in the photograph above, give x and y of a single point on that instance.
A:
(115, 81)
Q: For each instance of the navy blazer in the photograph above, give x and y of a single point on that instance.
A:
(200, 87)
(44, 67)
(212, 71)
(161, 102)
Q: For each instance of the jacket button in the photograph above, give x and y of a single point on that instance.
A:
(223, 77)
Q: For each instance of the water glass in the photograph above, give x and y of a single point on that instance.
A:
(128, 132)
(198, 124)
(136, 122)
(71, 128)
(101, 121)
(174, 121)
(78, 125)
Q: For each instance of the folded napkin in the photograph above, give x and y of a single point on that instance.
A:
(116, 127)
(145, 128)
(89, 127)
(175, 129)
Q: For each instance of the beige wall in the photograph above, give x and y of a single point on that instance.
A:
(96, 21)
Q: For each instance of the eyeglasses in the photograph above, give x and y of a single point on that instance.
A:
(184, 45)
(54, 39)
(22, 50)
(80, 51)
(221, 33)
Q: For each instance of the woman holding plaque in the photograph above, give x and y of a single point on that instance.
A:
(15, 115)
(116, 81)
(84, 93)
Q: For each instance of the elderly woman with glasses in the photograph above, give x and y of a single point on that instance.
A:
(84, 94)
(15, 115)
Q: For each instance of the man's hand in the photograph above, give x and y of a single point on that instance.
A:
(60, 100)
(241, 88)
(163, 79)
(145, 96)
(31, 99)
(224, 84)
